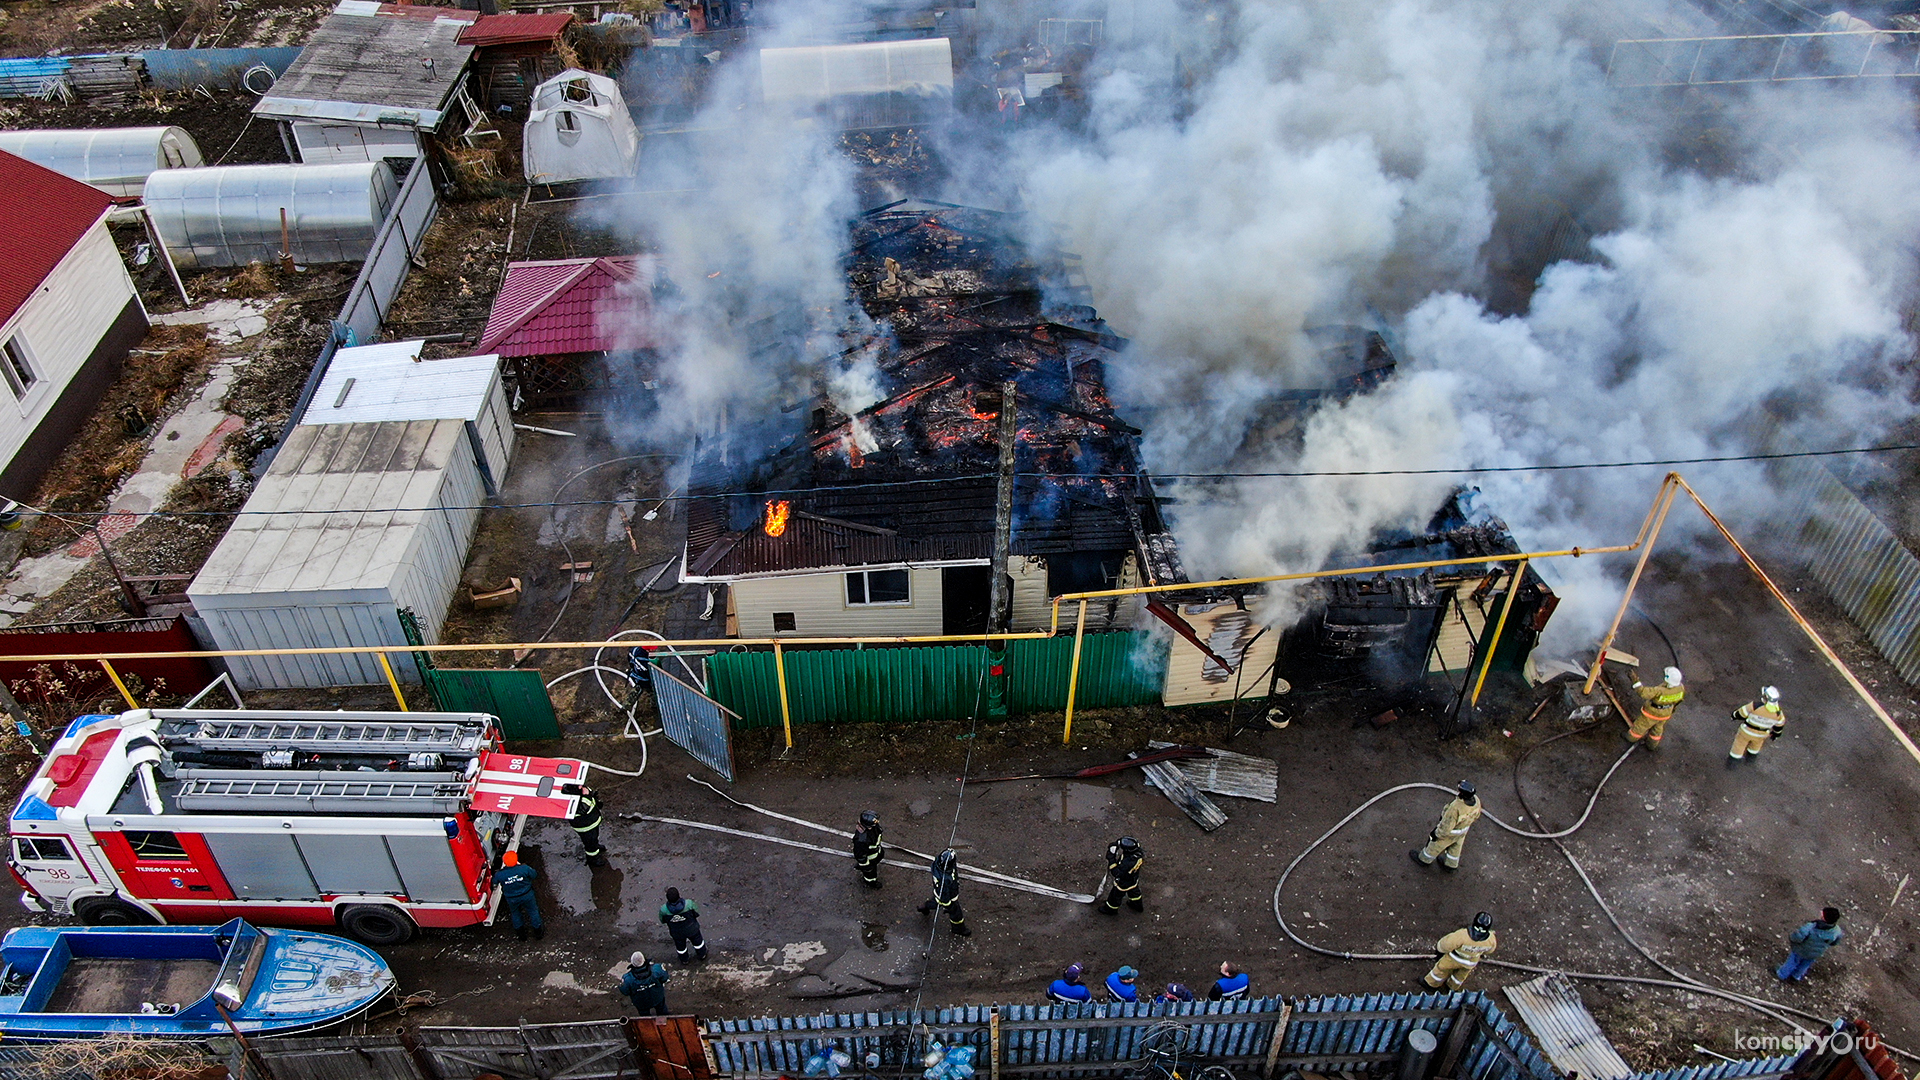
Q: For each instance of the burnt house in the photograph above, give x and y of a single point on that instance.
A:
(882, 522)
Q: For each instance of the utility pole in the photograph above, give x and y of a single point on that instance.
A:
(1000, 609)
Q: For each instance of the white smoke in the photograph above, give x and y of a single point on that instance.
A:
(1345, 160)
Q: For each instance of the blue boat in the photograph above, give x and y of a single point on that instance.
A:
(78, 982)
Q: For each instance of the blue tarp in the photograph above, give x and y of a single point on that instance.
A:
(181, 69)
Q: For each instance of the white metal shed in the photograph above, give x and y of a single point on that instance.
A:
(578, 128)
(115, 160)
(230, 215)
(370, 384)
(871, 84)
(350, 523)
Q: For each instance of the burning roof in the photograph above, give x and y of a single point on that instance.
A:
(911, 477)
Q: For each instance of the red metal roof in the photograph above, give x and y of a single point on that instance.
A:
(427, 11)
(571, 306)
(45, 215)
(513, 29)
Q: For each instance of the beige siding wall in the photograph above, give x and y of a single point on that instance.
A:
(1033, 610)
(1192, 678)
(820, 609)
(60, 324)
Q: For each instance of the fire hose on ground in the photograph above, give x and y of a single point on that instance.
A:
(1681, 981)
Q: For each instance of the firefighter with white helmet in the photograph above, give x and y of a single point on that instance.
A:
(1759, 721)
(1656, 708)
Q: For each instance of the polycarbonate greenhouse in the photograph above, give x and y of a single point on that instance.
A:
(231, 216)
(115, 160)
(865, 85)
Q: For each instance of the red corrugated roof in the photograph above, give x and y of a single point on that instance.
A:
(44, 215)
(571, 306)
(427, 11)
(512, 29)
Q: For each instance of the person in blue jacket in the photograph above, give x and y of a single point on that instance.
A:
(516, 892)
(1120, 985)
(1231, 985)
(1173, 994)
(645, 984)
(1809, 943)
(1069, 987)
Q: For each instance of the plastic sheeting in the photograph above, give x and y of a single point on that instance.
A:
(115, 160)
(232, 216)
(578, 128)
(875, 84)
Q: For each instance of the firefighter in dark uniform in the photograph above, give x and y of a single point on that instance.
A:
(946, 892)
(586, 822)
(866, 849)
(1124, 860)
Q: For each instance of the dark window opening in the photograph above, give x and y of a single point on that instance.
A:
(866, 587)
(783, 622)
(156, 845)
(1084, 571)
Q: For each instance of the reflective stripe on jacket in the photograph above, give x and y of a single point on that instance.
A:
(1457, 818)
(1761, 720)
(1463, 949)
(1658, 701)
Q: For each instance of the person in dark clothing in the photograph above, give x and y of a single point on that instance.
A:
(516, 891)
(1173, 994)
(1230, 986)
(586, 822)
(866, 849)
(1124, 861)
(683, 922)
(946, 892)
(645, 985)
(1809, 943)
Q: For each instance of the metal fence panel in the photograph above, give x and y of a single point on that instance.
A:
(518, 698)
(1116, 669)
(598, 1050)
(366, 1057)
(471, 1051)
(695, 722)
(183, 69)
(1858, 560)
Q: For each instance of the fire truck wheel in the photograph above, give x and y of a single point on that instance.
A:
(106, 911)
(377, 924)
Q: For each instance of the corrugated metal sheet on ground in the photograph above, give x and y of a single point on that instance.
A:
(32, 76)
(1223, 772)
(1181, 793)
(1565, 1030)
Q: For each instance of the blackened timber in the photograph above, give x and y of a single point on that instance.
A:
(1003, 511)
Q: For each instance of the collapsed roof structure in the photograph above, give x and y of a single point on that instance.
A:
(905, 487)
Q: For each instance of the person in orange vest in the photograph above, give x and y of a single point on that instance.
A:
(1656, 708)
(1461, 952)
(1759, 721)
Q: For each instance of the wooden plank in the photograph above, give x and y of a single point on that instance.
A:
(1279, 1035)
(993, 1046)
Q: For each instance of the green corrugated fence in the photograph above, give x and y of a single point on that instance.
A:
(933, 682)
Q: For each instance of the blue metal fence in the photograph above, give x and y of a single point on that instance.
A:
(184, 69)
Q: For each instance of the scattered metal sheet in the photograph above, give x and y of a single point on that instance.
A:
(1224, 772)
(1184, 795)
(1566, 1031)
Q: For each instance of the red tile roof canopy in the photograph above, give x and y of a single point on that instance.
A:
(572, 306)
(42, 216)
(516, 29)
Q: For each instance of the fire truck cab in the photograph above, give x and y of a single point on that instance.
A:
(365, 821)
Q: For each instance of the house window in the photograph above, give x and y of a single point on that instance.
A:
(41, 849)
(16, 363)
(156, 845)
(783, 622)
(869, 587)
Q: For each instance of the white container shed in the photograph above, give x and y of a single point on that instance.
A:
(371, 384)
(230, 215)
(871, 84)
(115, 160)
(350, 523)
(578, 128)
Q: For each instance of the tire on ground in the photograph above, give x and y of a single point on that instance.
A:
(376, 924)
(110, 911)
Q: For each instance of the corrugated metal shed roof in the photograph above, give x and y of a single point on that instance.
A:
(366, 64)
(1565, 1030)
(560, 306)
(324, 516)
(44, 215)
(515, 28)
(373, 383)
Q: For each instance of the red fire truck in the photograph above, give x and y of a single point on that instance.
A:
(378, 823)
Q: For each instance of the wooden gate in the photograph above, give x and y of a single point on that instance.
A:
(672, 1047)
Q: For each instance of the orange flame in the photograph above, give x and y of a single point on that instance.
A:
(777, 517)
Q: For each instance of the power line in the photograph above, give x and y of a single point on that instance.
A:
(1057, 478)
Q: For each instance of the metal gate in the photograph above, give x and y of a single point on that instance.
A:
(695, 722)
(518, 698)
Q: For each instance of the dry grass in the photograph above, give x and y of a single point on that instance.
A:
(128, 1056)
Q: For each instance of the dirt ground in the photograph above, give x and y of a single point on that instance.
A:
(1708, 867)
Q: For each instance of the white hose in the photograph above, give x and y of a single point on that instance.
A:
(626, 709)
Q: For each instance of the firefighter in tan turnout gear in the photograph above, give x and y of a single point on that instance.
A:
(1759, 721)
(1450, 835)
(1656, 708)
(1461, 952)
